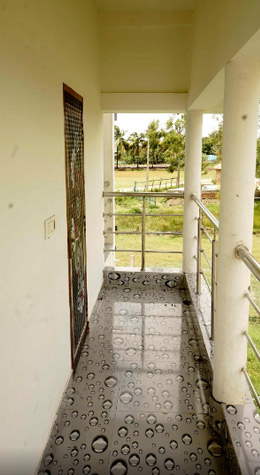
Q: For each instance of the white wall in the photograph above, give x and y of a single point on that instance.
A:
(220, 30)
(145, 52)
(43, 44)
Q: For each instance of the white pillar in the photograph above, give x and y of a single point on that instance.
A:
(192, 178)
(236, 226)
(108, 153)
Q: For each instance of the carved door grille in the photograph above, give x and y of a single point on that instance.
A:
(75, 187)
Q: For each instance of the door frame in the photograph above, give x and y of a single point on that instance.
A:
(75, 355)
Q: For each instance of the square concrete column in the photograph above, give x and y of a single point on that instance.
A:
(192, 179)
(109, 203)
(236, 227)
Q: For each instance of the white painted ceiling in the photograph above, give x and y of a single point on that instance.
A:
(149, 5)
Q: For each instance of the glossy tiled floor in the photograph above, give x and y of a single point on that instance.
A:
(139, 400)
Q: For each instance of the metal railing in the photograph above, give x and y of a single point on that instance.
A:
(243, 253)
(158, 183)
(143, 215)
(212, 262)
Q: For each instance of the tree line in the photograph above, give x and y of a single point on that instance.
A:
(166, 145)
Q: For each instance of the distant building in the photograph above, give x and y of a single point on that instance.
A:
(217, 168)
(212, 158)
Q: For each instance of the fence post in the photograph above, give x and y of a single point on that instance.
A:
(199, 254)
(143, 236)
(213, 285)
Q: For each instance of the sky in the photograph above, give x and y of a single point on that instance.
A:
(139, 122)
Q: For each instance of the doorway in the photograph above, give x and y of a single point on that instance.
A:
(76, 218)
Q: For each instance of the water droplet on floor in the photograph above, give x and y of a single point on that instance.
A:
(93, 421)
(125, 449)
(122, 432)
(169, 464)
(215, 448)
(114, 276)
(159, 428)
(129, 419)
(126, 397)
(151, 460)
(240, 425)
(151, 419)
(193, 457)
(48, 460)
(99, 444)
(86, 469)
(202, 384)
(107, 404)
(151, 391)
(74, 435)
(231, 410)
(257, 417)
(134, 460)
(119, 467)
(59, 440)
(179, 378)
(130, 351)
(118, 341)
(149, 433)
(186, 439)
(173, 444)
(167, 405)
(138, 391)
(110, 382)
(200, 425)
(74, 452)
(171, 284)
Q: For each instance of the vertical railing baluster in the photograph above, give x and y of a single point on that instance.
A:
(143, 236)
(199, 254)
(213, 284)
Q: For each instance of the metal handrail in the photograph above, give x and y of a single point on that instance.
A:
(243, 253)
(143, 215)
(205, 211)
(248, 296)
(251, 343)
(250, 384)
(143, 194)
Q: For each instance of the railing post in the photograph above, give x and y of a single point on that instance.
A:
(160, 184)
(143, 236)
(213, 284)
(199, 254)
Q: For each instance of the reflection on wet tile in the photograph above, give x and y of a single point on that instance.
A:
(139, 400)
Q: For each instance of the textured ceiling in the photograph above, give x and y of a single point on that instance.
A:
(149, 5)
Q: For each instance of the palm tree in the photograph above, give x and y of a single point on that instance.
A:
(154, 135)
(136, 143)
(174, 144)
(120, 143)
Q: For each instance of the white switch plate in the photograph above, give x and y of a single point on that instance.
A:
(49, 227)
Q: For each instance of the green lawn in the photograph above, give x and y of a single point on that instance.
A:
(127, 178)
(174, 243)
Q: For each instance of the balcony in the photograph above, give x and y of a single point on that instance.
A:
(141, 396)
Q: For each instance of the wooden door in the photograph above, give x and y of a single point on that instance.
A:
(76, 218)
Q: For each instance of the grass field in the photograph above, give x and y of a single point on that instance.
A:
(174, 243)
(127, 178)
